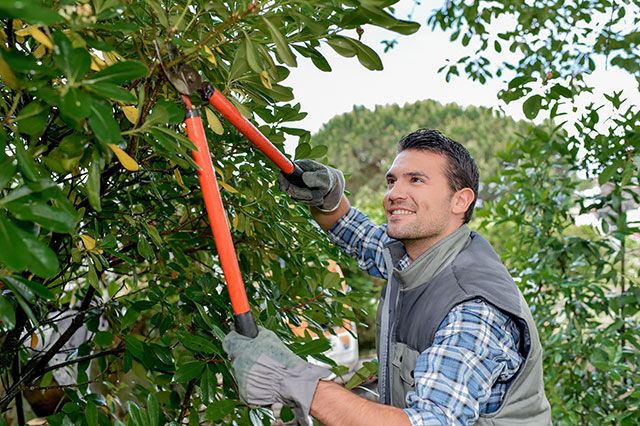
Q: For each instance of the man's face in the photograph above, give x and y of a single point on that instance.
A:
(418, 201)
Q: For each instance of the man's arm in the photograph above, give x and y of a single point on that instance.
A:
(334, 405)
(326, 220)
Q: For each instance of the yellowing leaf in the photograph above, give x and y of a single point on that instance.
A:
(131, 113)
(97, 63)
(124, 158)
(34, 340)
(178, 176)
(40, 51)
(89, 243)
(17, 24)
(265, 79)
(7, 75)
(213, 121)
(235, 221)
(210, 56)
(110, 58)
(227, 187)
(3, 36)
(41, 37)
(37, 34)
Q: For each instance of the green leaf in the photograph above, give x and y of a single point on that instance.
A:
(311, 347)
(531, 106)
(208, 385)
(282, 47)
(520, 81)
(29, 289)
(134, 347)
(76, 104)
(302, 151)
(7, 313)
(317, 152)
(74, 62)
(35, 210)
(349, 47)
(118, 73)
(32, 119)
(93, 183)
(197, 343)
(7, 169)
(385, 20)
(360, 376)
(153, 410)
(112, 92)
(130, 317)
(316, 57)
(30, 12)
(252, 55)
(562, 91)
(342, 46)
(103, 338)
(219, 409)
(135, 414)
(609, 171)
(188, 371)
(105, 127)
(27, 252)
(25, 163)
(91, 414)
(331, 280)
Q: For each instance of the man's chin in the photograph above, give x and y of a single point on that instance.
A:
(398, 234)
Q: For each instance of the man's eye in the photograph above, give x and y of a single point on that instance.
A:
(417, 180)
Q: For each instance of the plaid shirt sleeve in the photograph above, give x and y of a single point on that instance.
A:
(463, 374)
(359, 237)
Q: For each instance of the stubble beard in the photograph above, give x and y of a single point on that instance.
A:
(419, 234)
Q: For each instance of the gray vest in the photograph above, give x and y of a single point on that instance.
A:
(411, 311)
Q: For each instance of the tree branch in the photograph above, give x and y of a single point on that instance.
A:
(36, 366)
(187, 401)
(83, 358)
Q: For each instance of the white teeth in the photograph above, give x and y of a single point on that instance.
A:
(401, 212)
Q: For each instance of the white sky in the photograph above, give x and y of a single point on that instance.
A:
(410, 74)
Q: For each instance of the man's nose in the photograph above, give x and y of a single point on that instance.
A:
(397, 192)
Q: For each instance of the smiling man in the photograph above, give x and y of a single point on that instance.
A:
(456, 341)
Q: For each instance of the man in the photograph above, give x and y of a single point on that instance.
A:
(456, 341)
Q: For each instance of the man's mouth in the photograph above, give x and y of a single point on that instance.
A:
(400, 212)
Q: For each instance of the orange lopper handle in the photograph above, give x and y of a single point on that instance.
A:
(291, 171)
(245, 323)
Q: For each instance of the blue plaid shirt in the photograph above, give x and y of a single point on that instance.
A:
(474, 353)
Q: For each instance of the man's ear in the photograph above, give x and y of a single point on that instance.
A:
(461, 200)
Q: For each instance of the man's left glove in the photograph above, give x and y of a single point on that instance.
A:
(268, 372)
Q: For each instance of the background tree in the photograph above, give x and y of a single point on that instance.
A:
(363, 142)
(101, 223)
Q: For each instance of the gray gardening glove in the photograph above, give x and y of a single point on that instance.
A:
(325, 186)
(268, 372)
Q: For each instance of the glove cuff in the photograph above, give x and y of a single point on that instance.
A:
(300, 387)
(331, 201)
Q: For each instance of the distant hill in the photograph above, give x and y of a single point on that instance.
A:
(363, 142)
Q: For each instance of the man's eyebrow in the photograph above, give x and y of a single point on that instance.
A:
(419, 174)
(390, 174)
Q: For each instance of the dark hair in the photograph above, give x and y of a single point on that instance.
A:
(461, 171)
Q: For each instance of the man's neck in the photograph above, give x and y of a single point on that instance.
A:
(417, 247)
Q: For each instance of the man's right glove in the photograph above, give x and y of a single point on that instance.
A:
(268, 372)
(325, 186)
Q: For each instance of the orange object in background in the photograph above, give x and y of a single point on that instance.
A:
(343, 338)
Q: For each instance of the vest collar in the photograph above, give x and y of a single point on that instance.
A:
(429, 263)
